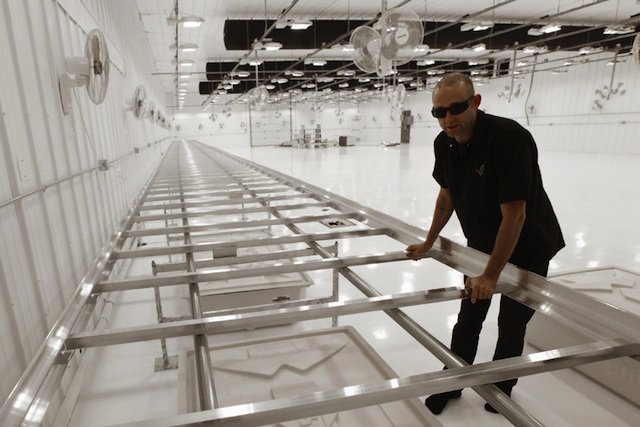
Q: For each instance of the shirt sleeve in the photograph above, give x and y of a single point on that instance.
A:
(439, 148)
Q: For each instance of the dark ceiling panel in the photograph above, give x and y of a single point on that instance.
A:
(241, 34)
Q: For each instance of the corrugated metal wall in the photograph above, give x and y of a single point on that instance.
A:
(57, 208)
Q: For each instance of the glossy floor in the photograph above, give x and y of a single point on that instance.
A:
(594, 198)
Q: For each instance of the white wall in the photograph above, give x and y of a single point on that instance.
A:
(564, 111)
(56, 208)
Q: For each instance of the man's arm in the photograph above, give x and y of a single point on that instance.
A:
(441, 215)
(513, 216)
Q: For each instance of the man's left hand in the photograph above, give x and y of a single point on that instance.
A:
(482, 287)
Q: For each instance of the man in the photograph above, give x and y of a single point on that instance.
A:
(487, 168)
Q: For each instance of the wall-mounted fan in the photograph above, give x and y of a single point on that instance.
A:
(138, 103)
(401, 31)
(397, 101)
(258, 97)
(366, 44)
(91, 71)
(152, 111)
(389, 43)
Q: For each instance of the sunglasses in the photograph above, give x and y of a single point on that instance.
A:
(455, 109)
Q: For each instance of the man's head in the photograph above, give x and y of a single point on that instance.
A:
(455, 105)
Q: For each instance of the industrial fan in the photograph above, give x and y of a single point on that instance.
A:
(258, 97)
(91, 71)
(389, 43)
(397, 101)
(366, 43)
(151, 111)
(137, 104)
(401, 32)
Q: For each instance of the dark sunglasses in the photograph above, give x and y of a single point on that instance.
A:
(455, 109)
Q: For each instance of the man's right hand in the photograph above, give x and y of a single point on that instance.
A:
(416, 251)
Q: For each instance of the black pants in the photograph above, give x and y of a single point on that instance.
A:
(512, 326)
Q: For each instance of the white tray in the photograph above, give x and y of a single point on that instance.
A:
(614, 286)
(284, 366)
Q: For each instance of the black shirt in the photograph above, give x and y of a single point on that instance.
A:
(498, 165)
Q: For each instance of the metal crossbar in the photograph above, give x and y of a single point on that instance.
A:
(207, 199)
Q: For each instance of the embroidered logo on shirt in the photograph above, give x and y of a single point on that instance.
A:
(480, 170)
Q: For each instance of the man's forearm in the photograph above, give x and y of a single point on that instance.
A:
(506, 239)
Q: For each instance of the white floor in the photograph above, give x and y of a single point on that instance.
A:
(595, 197)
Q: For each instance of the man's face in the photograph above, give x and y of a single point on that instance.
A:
(459, 126)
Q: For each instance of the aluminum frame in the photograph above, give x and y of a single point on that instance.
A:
(187, 192)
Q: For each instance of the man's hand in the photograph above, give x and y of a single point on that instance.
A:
(417, 250)
(482, 287)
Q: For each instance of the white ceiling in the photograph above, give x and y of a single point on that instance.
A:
(209, 36)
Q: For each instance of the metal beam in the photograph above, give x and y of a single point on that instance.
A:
(228, 323)
(361, 395)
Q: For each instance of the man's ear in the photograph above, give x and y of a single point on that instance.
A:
(477, 99)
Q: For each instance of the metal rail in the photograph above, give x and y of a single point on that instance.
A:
(212, 194)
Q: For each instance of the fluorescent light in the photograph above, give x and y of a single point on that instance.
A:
(348, 48)
(301, 25)
(191, 21)
(535, 49)
(186, 63)
(479, 47)
(619, 29)
(319, 62)
(478, 61)
(184, 76)
(590, 49)
(421, 48)
(272, 46)
(255, 62)
(425, 62)
(243, 73)
(550, 28)
(535, 31)
(476, 26)
(188, 47)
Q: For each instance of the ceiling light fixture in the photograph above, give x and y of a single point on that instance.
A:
(301, 25)
(590, 49)
(425, 62)
(191, 21)
(535, 31)
(476, 26)
(319, 62)
(550, 28)
(186, 63)
(421, 48)
(479, 47)
(188, 47)
(619, 29)
(272, 46)
(535, 49)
